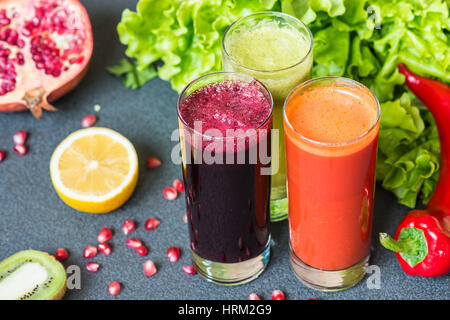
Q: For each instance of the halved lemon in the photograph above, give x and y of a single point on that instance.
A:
(94, 170)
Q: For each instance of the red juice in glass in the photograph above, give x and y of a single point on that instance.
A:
(225, 122)
(331, 130)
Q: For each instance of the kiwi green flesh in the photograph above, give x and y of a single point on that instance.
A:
(32, 275)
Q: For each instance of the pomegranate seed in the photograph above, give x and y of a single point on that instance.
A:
(76, 60)
(2, 155)
(90, 252)
(128, 226)
(26, 32)
(104, 235)
(190, 270)
(149, 268)
(178, 185)
(92, 266)
(151, 223)
(185, 218)
(153, 162)
(61, 254)
(173, 253)
(114, 288)
(20, 137)
(20, 58)
(142, 251)
(104, 248)
(4, 21)
(20, 149)
(20, 43)
(133, 243)
(277, 295)
(170, 193)
(88, 121)
(253, 296)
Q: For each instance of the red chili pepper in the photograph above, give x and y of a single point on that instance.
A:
(422, 240)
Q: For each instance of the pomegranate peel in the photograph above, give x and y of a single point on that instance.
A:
(45, 49)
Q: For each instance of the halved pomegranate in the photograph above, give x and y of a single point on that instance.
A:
(45, 48)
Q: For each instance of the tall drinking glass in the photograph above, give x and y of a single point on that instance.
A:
(331, 129)
(225, 122)
(276, 49)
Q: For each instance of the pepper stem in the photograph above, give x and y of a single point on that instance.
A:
(411, 245)
(401, 246)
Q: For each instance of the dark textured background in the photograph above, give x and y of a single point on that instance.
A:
(32, 215)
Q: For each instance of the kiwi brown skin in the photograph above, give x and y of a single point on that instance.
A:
(40, 257)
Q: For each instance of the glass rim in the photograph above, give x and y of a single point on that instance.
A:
(269, 13)
(332, 144)
(239, 74)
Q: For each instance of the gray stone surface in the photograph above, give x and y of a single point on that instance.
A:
(33, 216)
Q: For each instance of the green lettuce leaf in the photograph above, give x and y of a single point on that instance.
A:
(408, 154)
(327, 63)
(134, 78)
(362, 64)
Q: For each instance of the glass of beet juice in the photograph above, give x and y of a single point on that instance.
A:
(225, 121)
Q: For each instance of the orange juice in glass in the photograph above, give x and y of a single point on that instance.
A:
(331, 131)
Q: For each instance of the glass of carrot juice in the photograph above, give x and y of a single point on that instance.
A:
(331, 130)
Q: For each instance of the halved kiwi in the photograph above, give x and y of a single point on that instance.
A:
(32, 275)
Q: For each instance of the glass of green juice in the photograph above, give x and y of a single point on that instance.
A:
(276, 49)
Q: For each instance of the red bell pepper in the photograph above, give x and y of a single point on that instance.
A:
(422, 240)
